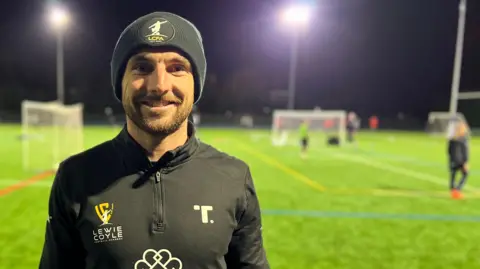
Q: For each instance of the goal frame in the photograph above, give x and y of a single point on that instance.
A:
(312, 114)
(53, 107)
(445, 115)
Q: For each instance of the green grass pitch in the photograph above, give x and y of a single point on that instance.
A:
(381, 204)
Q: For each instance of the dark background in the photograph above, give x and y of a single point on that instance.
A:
(372, 56)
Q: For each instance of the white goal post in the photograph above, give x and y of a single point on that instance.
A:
(321, 124)
(51, 132)
(438, 121)
(455, 94)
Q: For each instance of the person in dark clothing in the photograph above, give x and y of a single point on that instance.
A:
(458, 153)
(304, 138)
(155, 196)
(352, 126)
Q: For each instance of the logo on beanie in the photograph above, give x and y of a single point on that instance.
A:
(158, 31)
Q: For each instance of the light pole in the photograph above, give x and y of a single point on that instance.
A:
(59, 19)
(296, 19)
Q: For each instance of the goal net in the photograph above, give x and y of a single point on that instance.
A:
(438, 122)
(51, 132)
(321, 125)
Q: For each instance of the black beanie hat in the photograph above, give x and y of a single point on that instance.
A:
(159, 29)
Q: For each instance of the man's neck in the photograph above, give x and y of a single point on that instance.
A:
(157, 146)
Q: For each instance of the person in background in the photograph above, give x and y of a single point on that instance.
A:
(458, 153)
(352, 126)
(304, 138)
(373, 122)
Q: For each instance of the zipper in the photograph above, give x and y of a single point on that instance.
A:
(159, 203)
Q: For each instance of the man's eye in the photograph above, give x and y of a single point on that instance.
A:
(177, 68)
(142, 68)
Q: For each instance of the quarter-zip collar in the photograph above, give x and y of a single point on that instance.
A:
(135, 156)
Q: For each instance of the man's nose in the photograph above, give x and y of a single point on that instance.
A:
(160, 79)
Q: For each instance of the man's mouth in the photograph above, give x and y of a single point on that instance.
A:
(158, 103)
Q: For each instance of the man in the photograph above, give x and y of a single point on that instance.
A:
(110, 116)
(196, 116)
(155, 196)
(352, 126)
(303, 132)
(373, 122)
(457, 135)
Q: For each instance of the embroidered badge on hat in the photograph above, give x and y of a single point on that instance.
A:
(157, 30)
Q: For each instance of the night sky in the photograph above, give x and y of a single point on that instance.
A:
(372, 56)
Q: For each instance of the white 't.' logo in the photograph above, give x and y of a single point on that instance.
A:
(155, 28)
(204, 211)
(163, 258)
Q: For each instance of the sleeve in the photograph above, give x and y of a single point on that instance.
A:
(463, 153)
(450, 130)
(451, 148)
(62, 247)
(246, 250)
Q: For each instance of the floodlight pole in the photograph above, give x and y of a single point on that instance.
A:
(462, 10)
(293, 71)
(60, 68)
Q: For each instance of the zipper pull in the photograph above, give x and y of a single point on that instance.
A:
(157, 176)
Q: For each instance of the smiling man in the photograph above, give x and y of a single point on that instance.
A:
(155, 196)
(158, 92)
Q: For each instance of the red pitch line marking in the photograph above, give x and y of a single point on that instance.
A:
(24, 183)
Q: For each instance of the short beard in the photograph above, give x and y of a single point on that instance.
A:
(158, 129)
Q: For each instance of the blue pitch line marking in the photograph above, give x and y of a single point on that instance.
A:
(367, 215)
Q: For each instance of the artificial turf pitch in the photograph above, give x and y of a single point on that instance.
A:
(383, 203)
